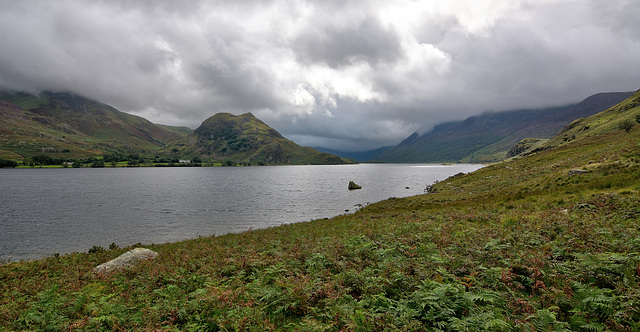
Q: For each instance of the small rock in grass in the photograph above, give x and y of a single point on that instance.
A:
(577, 171)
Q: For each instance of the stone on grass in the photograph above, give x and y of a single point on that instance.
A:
(126, 260)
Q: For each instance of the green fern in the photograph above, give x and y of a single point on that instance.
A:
(597, 301)
(546, 320)
(46, 313)
(485, 297)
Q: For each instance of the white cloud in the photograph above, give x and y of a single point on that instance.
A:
(344, 74)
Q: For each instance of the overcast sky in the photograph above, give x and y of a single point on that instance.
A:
(348, 75)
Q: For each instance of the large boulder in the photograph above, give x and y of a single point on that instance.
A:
(126, 260)
(353, 185)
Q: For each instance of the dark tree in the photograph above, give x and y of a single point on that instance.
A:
(7, 163)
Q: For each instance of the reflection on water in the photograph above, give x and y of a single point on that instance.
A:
(47, 211)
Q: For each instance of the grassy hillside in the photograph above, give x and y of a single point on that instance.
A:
(182, 131)
(619, 117)
(488, 137)
(244, 139)
(525, 245)
(25, 134)
(103, 121)
(86, 127)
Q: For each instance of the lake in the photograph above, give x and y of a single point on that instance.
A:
(48, 211)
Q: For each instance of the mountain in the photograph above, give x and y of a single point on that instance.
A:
(95, 119)
(622, 117)
(72, 126)
(67, 126)
(598, 152)
(360, 156)
(24, 134)
(244, 139)
(488, 137)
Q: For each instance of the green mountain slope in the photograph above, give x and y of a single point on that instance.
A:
(25, 134)
(244, 139)
(521, 245)
(488, 137)
(107, 128)
(182, 131)
(623, 116)
(607, 152)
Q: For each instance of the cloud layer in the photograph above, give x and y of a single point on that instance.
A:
(344, 75)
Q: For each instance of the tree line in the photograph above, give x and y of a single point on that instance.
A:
(108, 159)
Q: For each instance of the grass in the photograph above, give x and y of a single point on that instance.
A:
(24, 100)
(520, 245)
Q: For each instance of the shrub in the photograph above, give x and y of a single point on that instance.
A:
(96, 250)
(626, 125)
(7, 163)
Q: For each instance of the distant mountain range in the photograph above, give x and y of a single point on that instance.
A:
(67, 126)
(489, 137)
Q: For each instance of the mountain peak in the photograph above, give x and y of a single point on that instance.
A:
(245, 139)
(226, 126)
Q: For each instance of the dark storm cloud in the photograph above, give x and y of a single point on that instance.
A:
(325, 73)
(348, 43)
(358, 126)
(551, 58)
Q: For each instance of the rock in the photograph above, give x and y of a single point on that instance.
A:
(128, 259)
(523, 146)
(430, 189)
(577, 171)
(585, 206)
(353, 185)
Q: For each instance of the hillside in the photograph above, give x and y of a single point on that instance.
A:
(619, 117)
(244, 139)
(23, 133)
(522, 245)
(488, 137)
(71, 126)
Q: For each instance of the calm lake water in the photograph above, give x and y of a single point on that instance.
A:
(48, 211)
